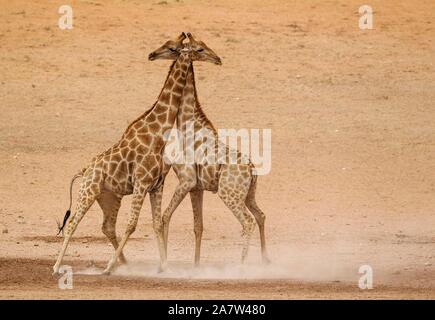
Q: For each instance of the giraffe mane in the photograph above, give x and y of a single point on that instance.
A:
(143, 115)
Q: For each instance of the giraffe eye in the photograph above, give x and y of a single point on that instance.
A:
(172, 49)
(200, 50)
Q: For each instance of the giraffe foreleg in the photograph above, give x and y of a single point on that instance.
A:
(196, 198)
(179, 194)
(110, 204)
(139, 194)
(156, 208)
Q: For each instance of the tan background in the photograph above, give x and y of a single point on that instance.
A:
(353, 144)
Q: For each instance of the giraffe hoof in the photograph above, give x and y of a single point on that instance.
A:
(106, 272)
(162, 268)
(55, 271)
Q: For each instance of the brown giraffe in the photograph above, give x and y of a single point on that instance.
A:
(234, 183)
(134, 165)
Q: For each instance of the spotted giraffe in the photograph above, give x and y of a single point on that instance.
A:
(234, 183)
(134, 165)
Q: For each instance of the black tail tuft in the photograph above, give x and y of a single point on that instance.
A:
(65, 219)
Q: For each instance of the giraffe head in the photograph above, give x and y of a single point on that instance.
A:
(201, 52)
(170, 50)
(197, 50)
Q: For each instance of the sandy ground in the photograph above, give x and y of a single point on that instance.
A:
(353, 145)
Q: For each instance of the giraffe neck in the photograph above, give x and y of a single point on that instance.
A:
(190, 108)
(168, 103)
(162, 115)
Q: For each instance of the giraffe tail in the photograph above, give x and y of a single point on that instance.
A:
(60, 227)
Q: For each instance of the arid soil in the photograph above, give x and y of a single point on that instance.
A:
(353, 145)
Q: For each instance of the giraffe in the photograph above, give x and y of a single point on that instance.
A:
(234, 183)
(134, 165)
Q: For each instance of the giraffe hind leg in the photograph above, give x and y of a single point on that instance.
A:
(235, 202)
(86, 198)
(110, 203)
(260, 217)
